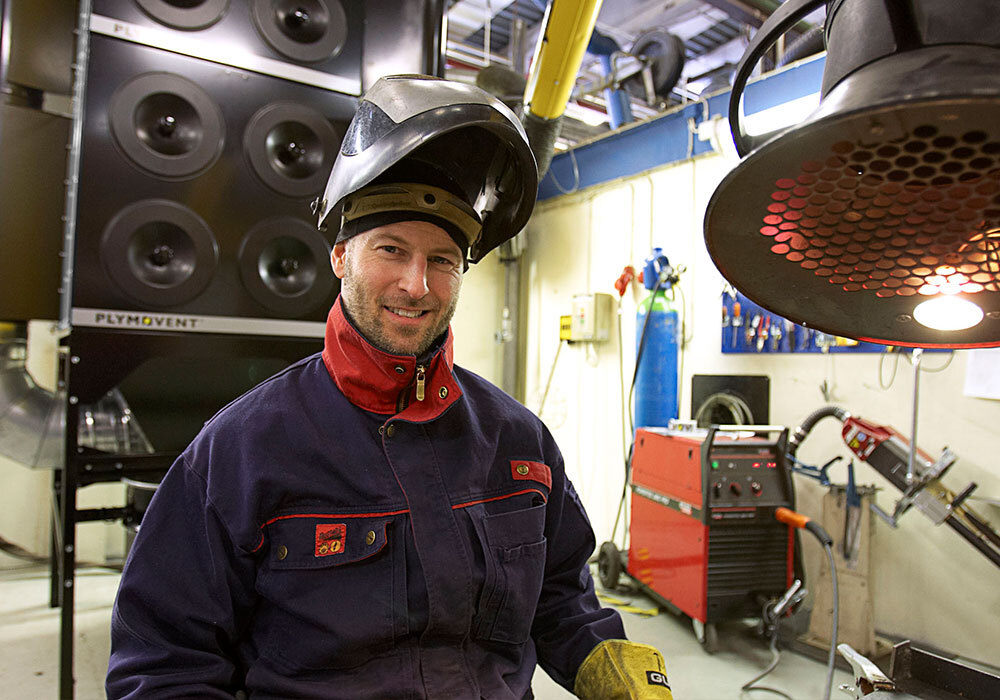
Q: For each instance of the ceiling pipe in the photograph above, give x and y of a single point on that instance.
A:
(566, 30)
(619, 105)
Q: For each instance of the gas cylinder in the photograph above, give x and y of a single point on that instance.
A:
(657, 335)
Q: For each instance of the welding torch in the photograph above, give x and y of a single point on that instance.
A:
(794, 519)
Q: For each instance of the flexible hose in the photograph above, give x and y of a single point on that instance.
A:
(810, 422)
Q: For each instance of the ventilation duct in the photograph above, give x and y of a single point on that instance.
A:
(32, 419)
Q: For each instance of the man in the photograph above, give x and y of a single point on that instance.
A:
(374, 521)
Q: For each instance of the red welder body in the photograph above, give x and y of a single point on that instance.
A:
(703, 537)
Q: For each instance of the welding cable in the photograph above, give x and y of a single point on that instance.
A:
(775, 658)
(626, 415)
(797, 520)
(631, 418)
(548, 382)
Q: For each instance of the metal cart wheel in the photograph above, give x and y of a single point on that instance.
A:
(706, 634)
(609, 565)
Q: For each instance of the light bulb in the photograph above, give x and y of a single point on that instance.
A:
(948, 313)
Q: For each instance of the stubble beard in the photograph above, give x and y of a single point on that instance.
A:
(365, 309)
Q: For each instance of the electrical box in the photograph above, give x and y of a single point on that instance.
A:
(592, 317)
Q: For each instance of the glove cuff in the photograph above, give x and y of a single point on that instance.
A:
(617, 669)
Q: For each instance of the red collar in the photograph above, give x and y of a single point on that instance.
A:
(373, 379)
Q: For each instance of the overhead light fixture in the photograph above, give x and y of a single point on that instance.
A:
(948, 313)
(888, 196)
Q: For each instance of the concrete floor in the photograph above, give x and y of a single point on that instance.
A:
(29, 638)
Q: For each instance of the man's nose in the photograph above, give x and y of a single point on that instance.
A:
(414, 278)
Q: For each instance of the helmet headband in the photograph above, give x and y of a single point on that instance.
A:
(424, 200)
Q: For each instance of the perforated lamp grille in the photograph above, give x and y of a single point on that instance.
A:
(869, 214)
(917, 217)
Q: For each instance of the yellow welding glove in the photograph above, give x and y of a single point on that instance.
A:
(618, 669)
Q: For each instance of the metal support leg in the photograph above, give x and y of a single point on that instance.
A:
(67, 581)
(55, 576)
(67, 554)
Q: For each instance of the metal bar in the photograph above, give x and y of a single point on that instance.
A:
(73, 162)
(917, 671)
(95, 514)
(977, 542)
(917, 352)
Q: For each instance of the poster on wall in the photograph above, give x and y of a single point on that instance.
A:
(982, 374)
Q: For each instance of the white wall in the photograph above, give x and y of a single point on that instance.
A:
(929, 584)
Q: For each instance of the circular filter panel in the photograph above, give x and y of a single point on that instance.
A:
(159, 252)
(846, 224)
(291, 147)
(167, 125)
(284, 264)
(185, 14)
(306, 31)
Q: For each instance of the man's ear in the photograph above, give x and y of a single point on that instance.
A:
(337, 258)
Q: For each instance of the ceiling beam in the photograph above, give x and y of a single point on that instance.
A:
(745, 12)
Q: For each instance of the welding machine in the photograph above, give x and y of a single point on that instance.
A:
(703, 537)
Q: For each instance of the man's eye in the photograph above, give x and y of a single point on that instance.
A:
(390, 249)
(443, 262)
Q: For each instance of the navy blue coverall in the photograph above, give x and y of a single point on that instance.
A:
(328, 535)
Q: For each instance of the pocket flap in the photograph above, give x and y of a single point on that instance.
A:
(318, 541)
(515, 528)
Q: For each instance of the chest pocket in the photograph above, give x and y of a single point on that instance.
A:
(514, 549)
(335, 591)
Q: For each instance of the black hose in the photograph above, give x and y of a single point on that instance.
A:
(809, 423)
(806, 45)
(793, 445)
(542, 134)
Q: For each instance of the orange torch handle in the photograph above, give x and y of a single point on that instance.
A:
(790, 517)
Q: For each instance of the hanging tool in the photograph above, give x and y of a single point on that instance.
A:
(752, 330)
(852, 519)
(737, 322)
(725, 321)
(762, 333)
(776, 335)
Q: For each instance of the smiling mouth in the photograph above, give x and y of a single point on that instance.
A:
(407, 313)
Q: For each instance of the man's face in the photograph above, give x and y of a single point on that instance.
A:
(400, 284)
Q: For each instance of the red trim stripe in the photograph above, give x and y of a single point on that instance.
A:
(335, 515)
(383, 514)
(499, 498)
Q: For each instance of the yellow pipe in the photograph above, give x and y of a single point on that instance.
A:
(566, 31)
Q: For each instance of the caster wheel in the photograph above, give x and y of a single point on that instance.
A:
(707, 635)
(609, 565)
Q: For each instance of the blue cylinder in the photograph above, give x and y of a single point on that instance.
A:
(656, 377)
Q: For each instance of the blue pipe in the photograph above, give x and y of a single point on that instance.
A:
(619, 107)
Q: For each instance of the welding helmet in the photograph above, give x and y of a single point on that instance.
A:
(423, 148)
